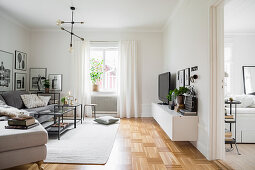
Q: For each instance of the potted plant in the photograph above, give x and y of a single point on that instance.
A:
(178, 94)
(63, 100)
(96, 72)
(47, 86)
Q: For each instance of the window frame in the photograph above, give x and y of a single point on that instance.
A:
(104, 49)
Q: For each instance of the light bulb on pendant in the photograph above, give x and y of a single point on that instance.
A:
(59, 22)
(70, 48)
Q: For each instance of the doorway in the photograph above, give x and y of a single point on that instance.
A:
(239, 63)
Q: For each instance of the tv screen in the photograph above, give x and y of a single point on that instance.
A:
(164, 86)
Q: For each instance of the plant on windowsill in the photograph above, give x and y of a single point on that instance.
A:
(96, 72)
(47, 86)
(178, 94)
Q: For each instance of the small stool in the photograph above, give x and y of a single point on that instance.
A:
(93, 108)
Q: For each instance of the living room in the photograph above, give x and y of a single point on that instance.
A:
(135, 42)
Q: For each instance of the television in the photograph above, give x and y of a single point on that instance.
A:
(164, 81)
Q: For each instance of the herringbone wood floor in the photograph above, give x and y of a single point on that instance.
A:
(142, 145)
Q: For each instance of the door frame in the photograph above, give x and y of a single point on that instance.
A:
(216, 52)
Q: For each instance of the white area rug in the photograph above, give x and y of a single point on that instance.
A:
(89, 143)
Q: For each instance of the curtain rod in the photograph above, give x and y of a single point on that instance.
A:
(104, 41)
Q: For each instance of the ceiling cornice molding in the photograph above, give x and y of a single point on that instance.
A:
(170, 18)
(99, 30)
(215, 3)
(239, 33)
(13, 20)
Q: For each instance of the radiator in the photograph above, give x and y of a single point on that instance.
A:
(105, 103)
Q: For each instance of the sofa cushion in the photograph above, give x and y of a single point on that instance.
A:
(106, 120)
(31, 100)
(39, 109)
(41, 118)
(12, 98)
(45, 99)
(2, 99)
(12, 139)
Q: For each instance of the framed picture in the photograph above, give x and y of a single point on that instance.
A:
(20, 81)
(6, 72)
(20, 60)
(187, 77)
(37, 77)
(177, 80)
(55, 82)
(181, 78)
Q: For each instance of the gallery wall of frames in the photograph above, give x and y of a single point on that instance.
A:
(13, 74)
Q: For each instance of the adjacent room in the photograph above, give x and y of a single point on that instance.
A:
(239, 65)
(126, 84)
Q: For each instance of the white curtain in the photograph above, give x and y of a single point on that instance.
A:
(80, 80)
(128, 85)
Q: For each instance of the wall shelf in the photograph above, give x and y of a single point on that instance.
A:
(175, 125)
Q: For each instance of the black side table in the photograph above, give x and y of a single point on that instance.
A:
(74, 106)
(232, 121)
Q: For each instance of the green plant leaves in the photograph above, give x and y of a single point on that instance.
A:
(47, 83)
(177, 92)
(96, 70)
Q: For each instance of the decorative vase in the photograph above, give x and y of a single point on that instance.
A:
(180, 100)
(47, 90)
(95, 87)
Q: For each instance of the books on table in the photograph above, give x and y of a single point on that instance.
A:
(22, 127)
(21, 123)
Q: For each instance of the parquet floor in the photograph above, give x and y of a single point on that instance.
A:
(142, 145)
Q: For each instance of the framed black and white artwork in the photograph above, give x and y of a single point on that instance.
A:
(20, 81)
(181, 78)
(20, 61)
(187, 76)
(37, 77)
(55, 82)
(177, 80)
(6, 71)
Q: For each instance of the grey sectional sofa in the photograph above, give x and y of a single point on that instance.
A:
(12, 98)
(18, 147)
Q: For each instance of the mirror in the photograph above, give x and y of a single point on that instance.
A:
(249, 79)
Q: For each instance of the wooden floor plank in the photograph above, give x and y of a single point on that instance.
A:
(142, 145)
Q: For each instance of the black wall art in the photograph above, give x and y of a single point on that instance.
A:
(37, 77)
(20, 61)
(20, 81)
(6, 73)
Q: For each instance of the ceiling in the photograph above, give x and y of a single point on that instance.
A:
(101, 14)
(239, 16)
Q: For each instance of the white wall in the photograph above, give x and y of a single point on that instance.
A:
(50, 50)
(186, 43)
(243, 54)
(13, 36)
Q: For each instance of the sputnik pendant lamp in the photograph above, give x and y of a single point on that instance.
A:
(60, 22)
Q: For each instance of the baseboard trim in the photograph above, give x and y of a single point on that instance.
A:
(222, 165)
(201, 146)
(146, 110)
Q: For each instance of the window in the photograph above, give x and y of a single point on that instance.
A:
(110, 56)
(227, 67)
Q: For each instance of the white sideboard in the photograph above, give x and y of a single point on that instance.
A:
(176, 126)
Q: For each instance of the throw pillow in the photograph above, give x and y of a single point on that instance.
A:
(45, 99)
(10, 111)
(106, 120)
(31, 100)
(246, 100)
